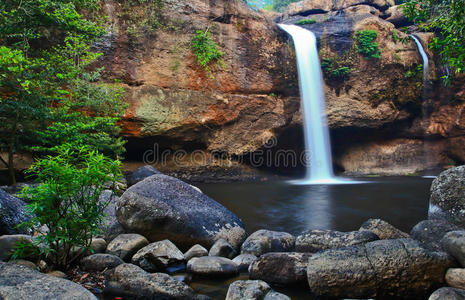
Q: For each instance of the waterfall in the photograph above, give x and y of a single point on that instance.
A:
(317, 145)
(424, 56)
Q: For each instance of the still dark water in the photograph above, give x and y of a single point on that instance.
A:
(281, 206)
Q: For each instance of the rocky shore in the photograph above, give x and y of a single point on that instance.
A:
(161, 227)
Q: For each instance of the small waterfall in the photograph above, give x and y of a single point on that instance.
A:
(317, 146)
(426, 106)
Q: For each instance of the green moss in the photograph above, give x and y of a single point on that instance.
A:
(306, 21)
(206, 50)
(334, 69)
(366, 44)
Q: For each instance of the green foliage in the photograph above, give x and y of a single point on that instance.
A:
(271, 5)
(415, 72)
(206, 50)
(397, 38)
(143, 17)
(366, 44)
(67, 201)
(306, 21)
(335, 70)
(447, 18)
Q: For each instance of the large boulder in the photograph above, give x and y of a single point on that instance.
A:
(379, 269)
(126, 245)
(431, 232)
(20, 282)
(130, 281)
(212, 266)
(140, 174)
(454, 243)
(395, 15)
(448, 293)
(158, 256)
(281, 268)
(448, 196)
(263, 241)
(12, 213)
(316, 240)
(455, 277)
(110, 227)
(383, 229)
(163, 207)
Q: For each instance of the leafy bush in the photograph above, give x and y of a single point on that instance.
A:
(67, 201)
(306, 21)
(366, 43)
(334, 70)
(206, 50)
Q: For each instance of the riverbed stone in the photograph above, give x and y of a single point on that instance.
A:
(98, 245)
(100, 261)
(384, 268)
(454, 244)
(448, 293)
(431, 232)
(455, 277)
(222, 248)
(158, 256)
(128, 280)
(195, 251)
(383, 229)
(20, 282)
(244, 261)
(316, 240)
(447, 199)
(162, 207)
(264, 241)
(212, 266)
(288, 268)
(12, 213)
(8, 244)
(140, 174)
(247, 289)
(126, 245)
(273, 295)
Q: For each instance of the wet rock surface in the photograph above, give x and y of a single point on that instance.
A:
(158, 256)
(222, 248)
(99, 262)
(140, 174)
(244, 261)
(383, 229)
(448, 293)
(212, 266)
(264, 241)
(12, 213)
(456, 278)
(431, 232)
(126, 245)
(454, 244)
(316, 240)
(247, 289)
(195, 251)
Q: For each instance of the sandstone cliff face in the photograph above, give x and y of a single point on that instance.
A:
(237, 109)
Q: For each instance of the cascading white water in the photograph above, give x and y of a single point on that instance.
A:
(319, 167)
(424, 56)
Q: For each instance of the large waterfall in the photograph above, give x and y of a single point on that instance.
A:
(318, 149)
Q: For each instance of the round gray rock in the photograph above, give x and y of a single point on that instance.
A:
(380, 269)
(126, 245)
(128, 280)
(98, 245)
(456, 278)
(12, 213)
(99, 262)
(158, 256)
(162, 207)
(19, 282)
(316, 240)
(140, 174)
(383, 229)
(448, 293)
(447, 199)
(222, 248)
(247, 289)
(431, 232)
(289, 268)
(195, 251)
(454, 243)
(264, 241)
(244, 261)
(272, 295)
(212, 266)
(8, 244)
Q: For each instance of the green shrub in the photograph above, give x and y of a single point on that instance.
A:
(306, 21)
(334, 69)
(366, 43)
(67, 201)
(206, 50)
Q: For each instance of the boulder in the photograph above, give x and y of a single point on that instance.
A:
(128, 280)
(456, 278)
(430, 232)
(272, 295)
(380, 269)
(307, 7)
(396, 16)
(163, 207)
(158, 256)
(26, 263)
(126, 245)
(383, 229)
(448, 293)
(8, 244)
(212, 266)
(244, 261)
(19, 282)
(263, 241)
(12, 213)
(316, 240)
(140, 174)
(99, 262)
(110, 228)
(98, 245)
(447, 199)
(195, 251)
(454, 244)
(247, 289)
(288, 268)
(222, 248)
